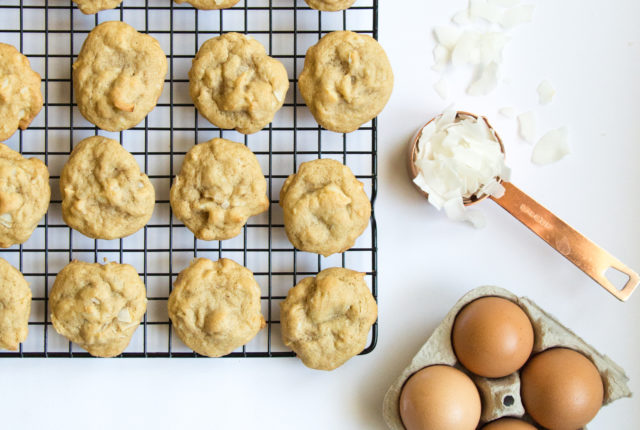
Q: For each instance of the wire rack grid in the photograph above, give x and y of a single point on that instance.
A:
(51, 32)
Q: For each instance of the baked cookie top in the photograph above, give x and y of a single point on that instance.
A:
(89, 7)
(209, 4)
(235, 84)
(104, 193)
(346, 80)
(118, 76)
(330, 5)
(325, 207)
(220, 185)
(98, 306)
(326, 319)
(215, 306)
(15, 306)
(20, 93)
(24, 195)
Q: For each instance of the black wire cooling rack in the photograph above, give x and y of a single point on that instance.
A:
(50, 33)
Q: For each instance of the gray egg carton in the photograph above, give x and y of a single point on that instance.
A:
(501, 396)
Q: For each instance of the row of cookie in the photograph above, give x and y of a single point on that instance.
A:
(219, 186)
(119, 76)
(214, 307)
(89, 7)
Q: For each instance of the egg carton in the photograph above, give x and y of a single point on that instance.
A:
(501, 396)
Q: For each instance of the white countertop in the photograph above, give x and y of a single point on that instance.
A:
(590, 51)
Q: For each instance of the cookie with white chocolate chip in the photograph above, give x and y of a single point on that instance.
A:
(89, 7)
(220, 185)
(326, 319)
(98, 306)
(330, 5)
(20, 92)
(118, 76)
(325, 207)
(215, 306)
(24, 195)
(235, 84)
(104, 193)
(346, 80)
(15, 306)
(209, 4)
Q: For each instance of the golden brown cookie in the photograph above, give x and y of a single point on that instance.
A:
(209, 4)
(220, 185)
(20, 93)
(118, 76)
(24, 195)
(346, 80)
(98, 306)
(235, 84)
(326, 319)
(89, 7)
(15, 306)
(104, 193)
(215, 306)
(330, 5)
(325, 207)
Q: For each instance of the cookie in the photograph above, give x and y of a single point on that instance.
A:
(15, 306)
(215, 306)
(346, 80)
(24, 195)
(325, 207)
(118, 76)
(330, 5)
(89, 7)
(235, 84)
(104, 193)
(326, 320)
(209, 4)
(220, 185)
(98, 306)
(20, 93)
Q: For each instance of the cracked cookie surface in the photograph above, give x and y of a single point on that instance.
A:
(235, 84)
(209, 4)
(330, 5)
(118, 76)
(20, 93)
(15, 306)
(98, 306)
(346, 80)
(24, 195)
(215, 306)
(325, 207)
(104, 193)
(326, 319)
(89, 7)
(220, 185)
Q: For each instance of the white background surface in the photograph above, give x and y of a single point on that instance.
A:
(590, 51)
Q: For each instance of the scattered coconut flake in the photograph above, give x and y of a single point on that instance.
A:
(124, 316)
(546, 92)
(487, 82)
(456, 211)
(462, 18)
(505, 3)
(507, 112)
(552, 147)
(442, 88)
(484, 10)
(447, 36)
(527, 126)
(517, 15)
(441, 57)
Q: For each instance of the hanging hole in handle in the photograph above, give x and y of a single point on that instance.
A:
(508, 400)
(617, 278)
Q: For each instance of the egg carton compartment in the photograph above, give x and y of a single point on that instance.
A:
(501, 396)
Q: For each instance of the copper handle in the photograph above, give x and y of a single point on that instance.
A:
(589, 257)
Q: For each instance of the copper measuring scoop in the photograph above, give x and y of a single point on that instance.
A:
(589, 257)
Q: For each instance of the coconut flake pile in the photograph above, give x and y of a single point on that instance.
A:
(480, 48)
(458, 157)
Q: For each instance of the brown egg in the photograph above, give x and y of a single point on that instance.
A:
(508, 424)
(561, 389)
(492, 337)
(440, 398)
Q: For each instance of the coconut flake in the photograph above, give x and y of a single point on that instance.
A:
(546, 92)
(462, 18)
(442, 88)
(517, 15)
(441, 56)
(487, 82)
(447, 36)
(124, 316)
(527, 126)
(484, 10)
(505, 3)
(552, 147)
(507, 112)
